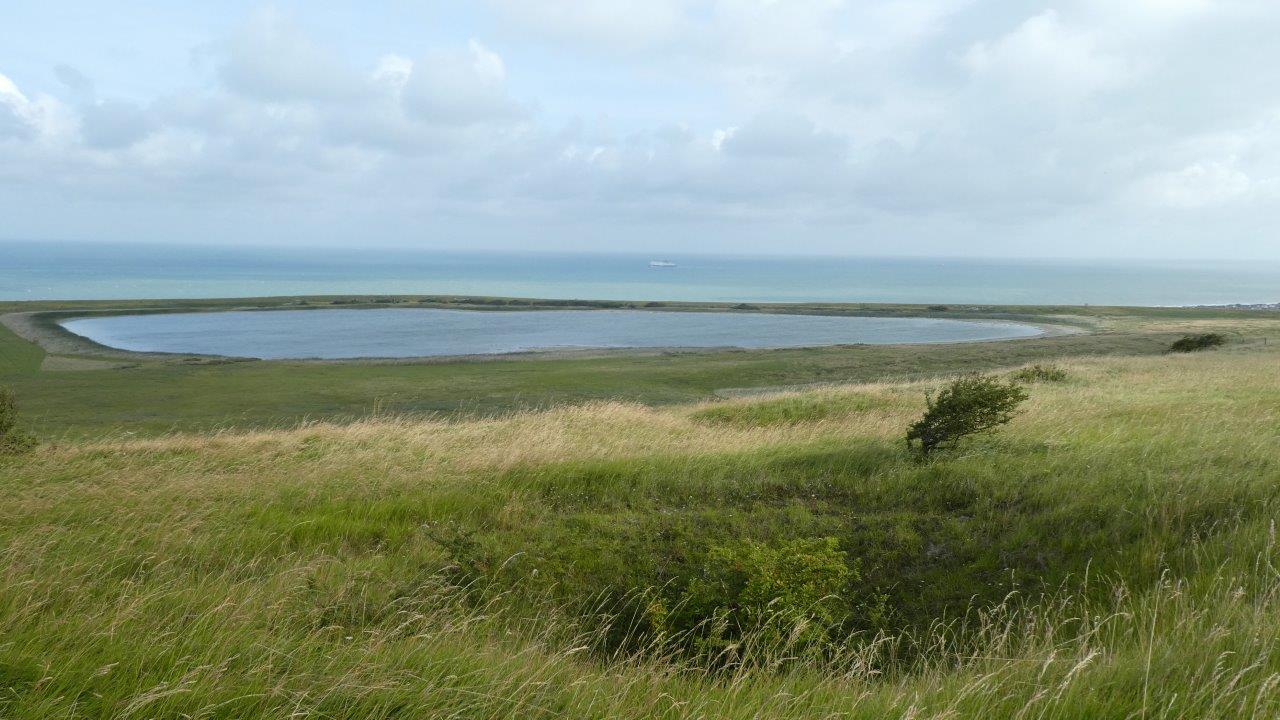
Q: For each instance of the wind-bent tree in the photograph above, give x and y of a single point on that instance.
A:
(969, 404)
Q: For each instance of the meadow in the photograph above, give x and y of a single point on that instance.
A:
(575, 537)
(80, 390)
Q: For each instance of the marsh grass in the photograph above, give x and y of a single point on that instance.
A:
(1112, 553)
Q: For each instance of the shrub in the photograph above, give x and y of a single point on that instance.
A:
(970, 404)
(789, 597)
(1039, 373)
(12, 440)
(1192, 343)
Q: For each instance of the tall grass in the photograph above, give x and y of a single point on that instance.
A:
(289, 574)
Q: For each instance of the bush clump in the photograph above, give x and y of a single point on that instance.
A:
(12, 440)
(1192, 343)
(969, 404)
(1039, 373)
(792, 597)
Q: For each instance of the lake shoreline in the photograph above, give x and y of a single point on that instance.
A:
(44, 328)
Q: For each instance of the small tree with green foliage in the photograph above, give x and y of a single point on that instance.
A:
(12, 439)
(969, 404)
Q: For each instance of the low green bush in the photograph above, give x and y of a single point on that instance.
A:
(792, 597)
(1192, 343)
(970, 404)
(1039, 373)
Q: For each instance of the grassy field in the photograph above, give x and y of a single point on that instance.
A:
(81, 394)
(1111, 554)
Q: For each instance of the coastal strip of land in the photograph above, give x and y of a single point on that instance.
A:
(70, 386)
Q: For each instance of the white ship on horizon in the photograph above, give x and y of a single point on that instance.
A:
(661, 264)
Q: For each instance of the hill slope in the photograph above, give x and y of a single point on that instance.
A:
(1111, 554)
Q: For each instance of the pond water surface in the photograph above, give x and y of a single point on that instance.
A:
(422, 332)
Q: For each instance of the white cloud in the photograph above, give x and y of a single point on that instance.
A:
(720, 135)
(732, 116)
(1048, 58)
(114, 124)
(460, 88)
(15, 110)
(1238, 168)
(42, 119)
(613, 25)
(782, 135)
(393, 71)
(1199, 185)
(272, 60)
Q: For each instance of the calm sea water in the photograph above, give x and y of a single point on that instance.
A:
(417, 332)
(99, 271)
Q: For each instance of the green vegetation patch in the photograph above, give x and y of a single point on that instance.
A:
(1040, 373)
(646, 540)
(790, 409)
(12, 439)
(17, 356)
(1110, 553)
(1192, 343)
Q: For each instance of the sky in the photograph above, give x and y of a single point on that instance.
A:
(993, 128)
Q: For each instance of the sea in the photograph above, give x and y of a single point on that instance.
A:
(104, 271)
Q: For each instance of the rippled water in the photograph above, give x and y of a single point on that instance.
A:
(420, 332)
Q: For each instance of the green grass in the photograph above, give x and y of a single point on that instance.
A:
(1112, 553)
(160, 397)
(521, 538)
(789, 409)
(18, 357)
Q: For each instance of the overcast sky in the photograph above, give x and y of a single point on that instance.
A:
(1086, 128)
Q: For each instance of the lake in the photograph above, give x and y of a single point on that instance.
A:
(423, 332)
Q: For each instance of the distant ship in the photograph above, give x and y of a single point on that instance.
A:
(661, 263)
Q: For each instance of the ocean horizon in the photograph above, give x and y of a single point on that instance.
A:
(106, 271)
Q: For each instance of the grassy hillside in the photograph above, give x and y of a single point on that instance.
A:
(1112, 553)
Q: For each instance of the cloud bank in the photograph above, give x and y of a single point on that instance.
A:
(1086, 128)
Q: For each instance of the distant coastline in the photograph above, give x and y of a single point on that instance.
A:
(1262, 307)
